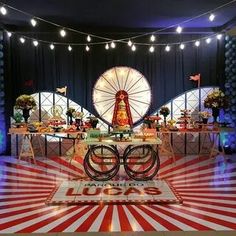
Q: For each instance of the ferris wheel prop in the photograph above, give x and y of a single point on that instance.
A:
(121, 80)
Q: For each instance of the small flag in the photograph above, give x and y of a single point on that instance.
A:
(62, 90)
(196, 78)
(28, 83)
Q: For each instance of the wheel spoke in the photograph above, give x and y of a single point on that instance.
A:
(109, 83)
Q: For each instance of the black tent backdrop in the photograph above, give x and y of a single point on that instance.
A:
(31, 69)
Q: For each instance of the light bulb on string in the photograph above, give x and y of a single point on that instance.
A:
(69, 48)
(52, 46)
(35, 43)
(22, 40)
(219, 36)
(107, 46)
(130, 43)
(152, 38)
(33, 22)
(9, 34)
(208, 40)
(151, 49)
(62, 33)
(182, 46)
(88, 38)
(3, 10)
(211, 17)
(113, 45)
(133, 48)
(197, 43)
(179, 29)
(167, 48)
(87, 48)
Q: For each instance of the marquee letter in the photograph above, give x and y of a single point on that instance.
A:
(70, 192)
(109, 191)
(87, 192)
(152, 191)
(132, 190)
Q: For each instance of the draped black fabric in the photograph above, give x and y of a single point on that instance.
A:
(31, 69)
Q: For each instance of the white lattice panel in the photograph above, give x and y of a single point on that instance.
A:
(191, 100)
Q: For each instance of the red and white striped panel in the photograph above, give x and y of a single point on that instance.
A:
(207, 187)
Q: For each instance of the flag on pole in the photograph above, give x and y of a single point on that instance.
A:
(196, 78)
(62, 90)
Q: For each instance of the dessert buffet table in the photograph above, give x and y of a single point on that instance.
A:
(139, 158)
(26, 148)
(214, 135)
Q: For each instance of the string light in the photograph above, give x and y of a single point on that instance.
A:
(152, 38)
(197, 43)
(69, 48)
(107, 46)
(22, 40)
(110, 42)
(52, 46)
(130, 43)
(182, 46)
(219, 36)
(113, 45)
(9, 34)
(87, 48)
(179, 29)
(62, 33)
(151, 49)
(211, 17)
(33, 22)
(3, 10)
(133, 48)
(88, 38)
(167, 48)
(208, 40)
(35, 43)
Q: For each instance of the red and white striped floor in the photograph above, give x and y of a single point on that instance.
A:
(207, 187)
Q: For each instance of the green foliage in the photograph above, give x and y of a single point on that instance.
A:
(18, 117)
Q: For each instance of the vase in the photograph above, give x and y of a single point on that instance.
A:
(215, 113)
(94, 123)
(26, 114)
(165, 121)
(204, 120)
(78, 123)
(70, 120)
(149, 125)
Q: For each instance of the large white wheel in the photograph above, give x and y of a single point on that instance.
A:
(122, 79)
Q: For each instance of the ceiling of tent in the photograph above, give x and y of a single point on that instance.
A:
(121, 15)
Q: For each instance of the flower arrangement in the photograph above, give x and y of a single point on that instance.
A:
(216, 99)
(148, 121)
(93, 121)
(205, 114)
(165, 111)
(25, 102)
(78, 115)
(70, 111)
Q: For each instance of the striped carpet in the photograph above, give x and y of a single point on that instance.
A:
(207, 187)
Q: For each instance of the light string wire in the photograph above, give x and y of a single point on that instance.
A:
(109, 40)
(183, 22)
(104, 42)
